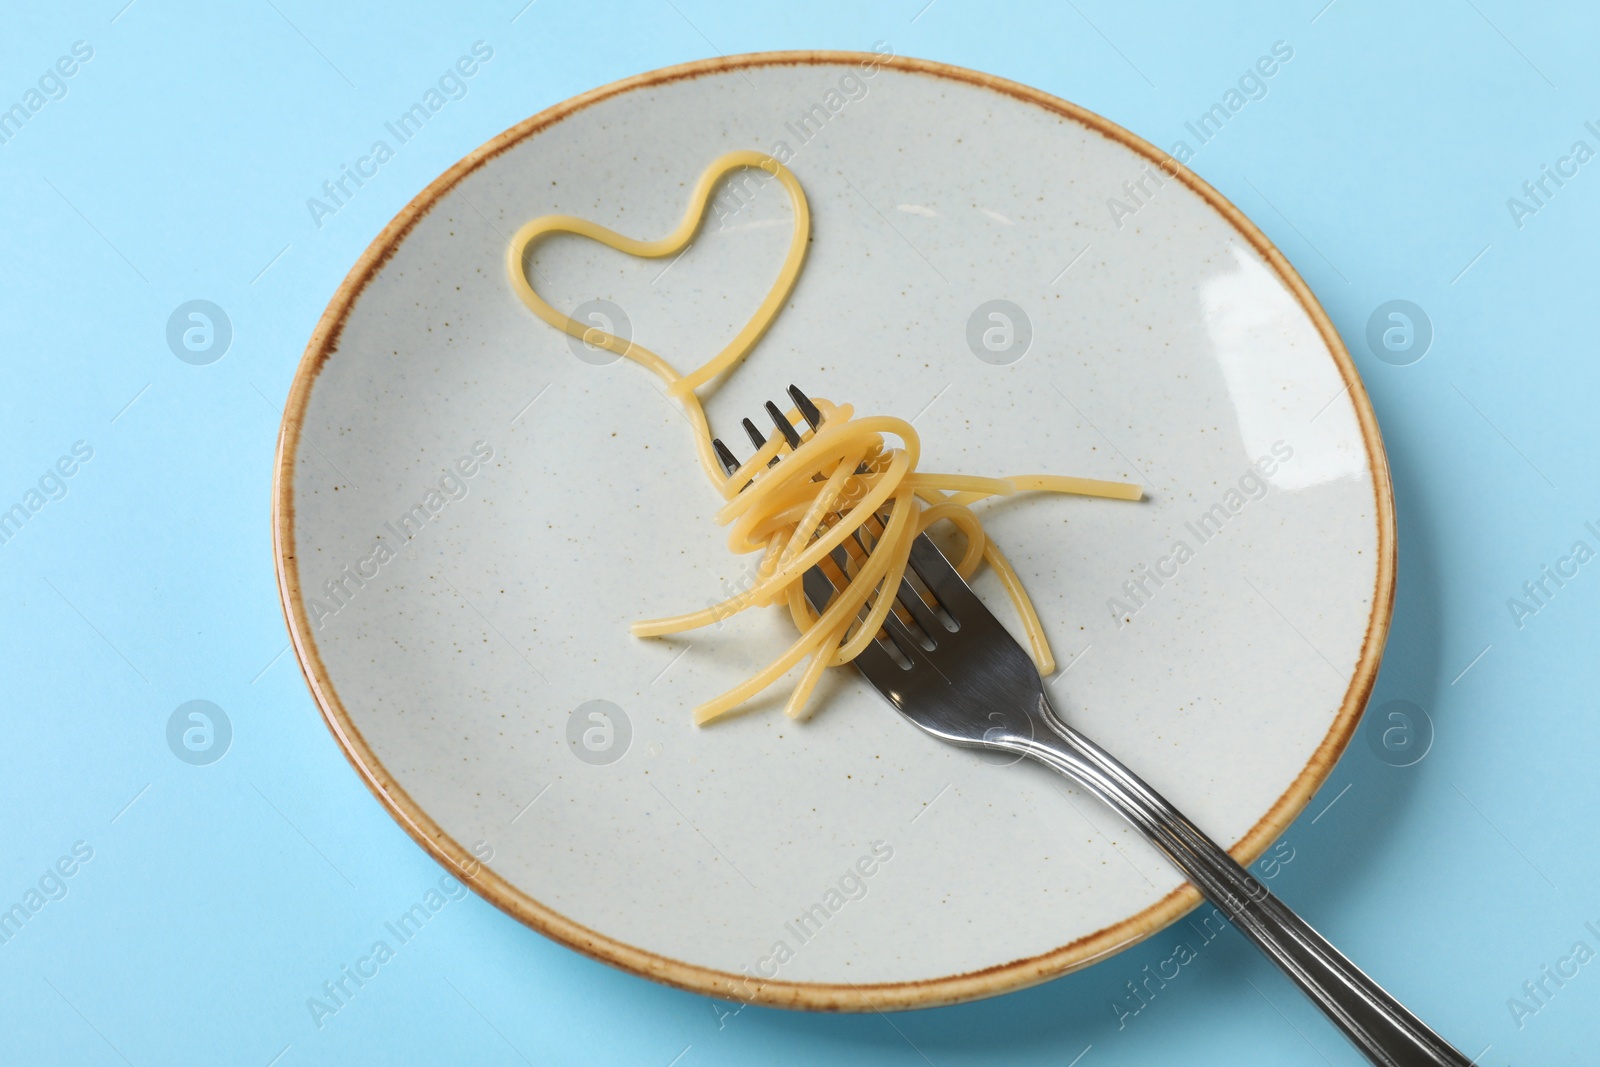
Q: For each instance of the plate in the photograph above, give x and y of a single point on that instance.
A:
(471, 507)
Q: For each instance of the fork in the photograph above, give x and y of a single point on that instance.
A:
(947, 664)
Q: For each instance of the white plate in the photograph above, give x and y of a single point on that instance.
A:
(1176, 349)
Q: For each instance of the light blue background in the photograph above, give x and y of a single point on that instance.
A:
(177, 167)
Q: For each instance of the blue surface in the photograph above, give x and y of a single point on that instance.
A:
(175, 165)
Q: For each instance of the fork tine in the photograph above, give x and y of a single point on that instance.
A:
(808, 411)
(754, 434)
(874, 660)
(947, 587)
(819, 589)
(843, 554)
(725, 456)
(912, 613)
(785, 427)
(841, 559)
(900, 633)
(926, 617)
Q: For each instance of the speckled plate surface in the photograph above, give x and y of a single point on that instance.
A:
(470, 510)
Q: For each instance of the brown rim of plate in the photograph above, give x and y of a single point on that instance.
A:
(810, 996)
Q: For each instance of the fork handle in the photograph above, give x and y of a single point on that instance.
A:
(1377, 1023)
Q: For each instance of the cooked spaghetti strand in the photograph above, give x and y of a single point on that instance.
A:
(843, 489)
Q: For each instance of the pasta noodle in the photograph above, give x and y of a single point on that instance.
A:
(843, 486)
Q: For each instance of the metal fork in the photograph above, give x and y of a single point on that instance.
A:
(956, 673)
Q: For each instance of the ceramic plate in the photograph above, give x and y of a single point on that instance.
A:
(471, 507)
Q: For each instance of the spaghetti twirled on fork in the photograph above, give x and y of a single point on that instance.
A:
(804, 495)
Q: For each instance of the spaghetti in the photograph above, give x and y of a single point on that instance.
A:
(842, 487)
